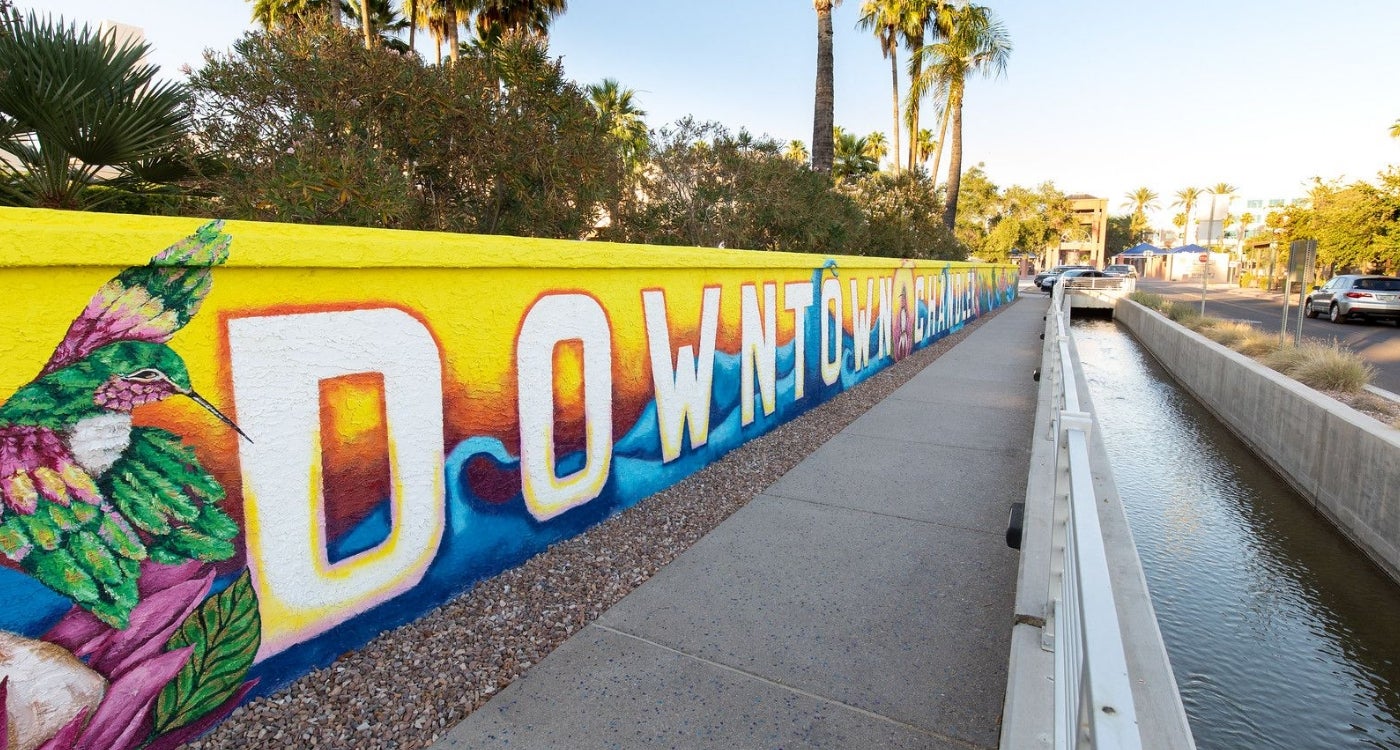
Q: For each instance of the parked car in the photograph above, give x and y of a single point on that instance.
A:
(1045, 280)
(1074, 274)
(1350, 296)
(1121, 269)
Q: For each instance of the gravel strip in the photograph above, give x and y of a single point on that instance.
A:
(408, 686)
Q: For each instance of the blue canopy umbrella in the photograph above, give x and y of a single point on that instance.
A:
(1142, 250)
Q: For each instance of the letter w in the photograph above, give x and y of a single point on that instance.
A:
(682, 392)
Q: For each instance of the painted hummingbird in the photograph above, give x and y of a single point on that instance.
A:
(84, 495)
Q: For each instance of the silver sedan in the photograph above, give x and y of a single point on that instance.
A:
(1356, 296)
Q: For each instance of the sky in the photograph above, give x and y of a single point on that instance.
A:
(1099, 96)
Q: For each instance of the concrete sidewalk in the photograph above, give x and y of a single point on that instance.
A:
(865, 599)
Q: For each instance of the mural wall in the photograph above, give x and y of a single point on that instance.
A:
(231, 452)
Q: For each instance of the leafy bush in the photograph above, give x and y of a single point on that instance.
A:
(705, 186)
(309, 126)
(904, 217)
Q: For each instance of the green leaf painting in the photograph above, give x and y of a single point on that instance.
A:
(225, 633)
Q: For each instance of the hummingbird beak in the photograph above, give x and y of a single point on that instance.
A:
(198, 399)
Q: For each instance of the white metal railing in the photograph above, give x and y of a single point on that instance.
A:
(1093, 694)
(1115, 283)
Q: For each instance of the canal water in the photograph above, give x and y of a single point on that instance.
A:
(1280, 632)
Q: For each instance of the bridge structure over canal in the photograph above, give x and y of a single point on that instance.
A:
(870, 598)
(1096, 292)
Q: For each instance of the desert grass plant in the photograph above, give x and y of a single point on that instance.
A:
(1229, 332)
(1256, 343)
(1183, 313)
(1326, 367)
(1148, 299)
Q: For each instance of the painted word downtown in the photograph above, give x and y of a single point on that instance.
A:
(279, 361)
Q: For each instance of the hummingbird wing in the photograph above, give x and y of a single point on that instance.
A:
(160, 486)
(56, 525)
(147, 303)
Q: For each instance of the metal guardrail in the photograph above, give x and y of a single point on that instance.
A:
(1093, 694)
(1115, 283)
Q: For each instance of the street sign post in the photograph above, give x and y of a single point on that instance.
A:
(1204, 260)
(1308, 250)
(1302, 254)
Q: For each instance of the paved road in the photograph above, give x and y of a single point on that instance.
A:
(1378, 343)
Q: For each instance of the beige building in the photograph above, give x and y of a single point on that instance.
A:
(1092, 214)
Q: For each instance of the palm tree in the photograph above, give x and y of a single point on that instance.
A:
(1141, 201)
(851, 156)
(823, 115)
(796, 150)
(622, 119)
(1186, 198)
(877, 148)
(1217, 190)
(1395, 129)
(977, 43)
(367, 23)
(281, 13)
(384, 22)
(498, 18)
(923, 146)
(886, 18)
(435, 16)
(1179, 221)
(410, 14)
(75, 107)
(1246, 220)
(923, 16)
(444, 19)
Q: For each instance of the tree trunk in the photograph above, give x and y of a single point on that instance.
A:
(938, 147)
(916, 67)
(452, 37)
(894, 83)
(410, 9)
(365, 25)
(950, 210)
(823, 119)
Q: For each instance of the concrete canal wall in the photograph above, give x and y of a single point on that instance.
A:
(1346, 463)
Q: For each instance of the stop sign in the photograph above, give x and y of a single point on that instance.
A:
(1204, 258)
